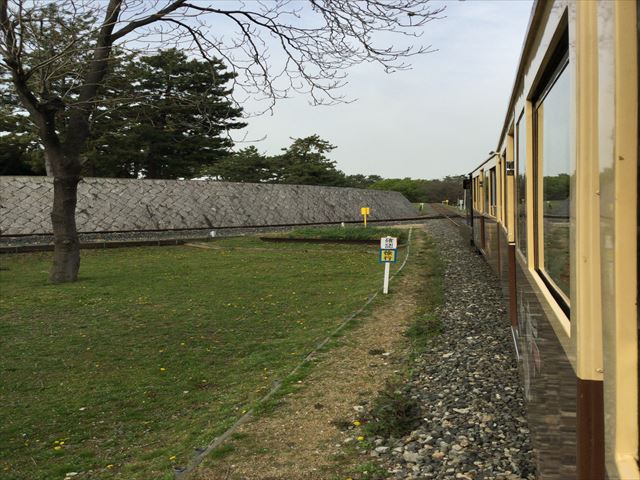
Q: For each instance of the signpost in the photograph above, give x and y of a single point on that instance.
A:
(364, 211)
(388, 255)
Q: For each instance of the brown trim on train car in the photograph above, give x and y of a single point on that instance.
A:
(513, 313)
(590, 429)
(482, 233)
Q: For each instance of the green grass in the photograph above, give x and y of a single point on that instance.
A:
(155, 351)
(426, 323)
(393, 412)
(348, 233)
(371, 471)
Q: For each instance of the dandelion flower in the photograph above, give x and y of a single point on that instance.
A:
(110, 465)
(360, 438)
(357, 423)
(57, 447)
(162, 369)
(172, 458)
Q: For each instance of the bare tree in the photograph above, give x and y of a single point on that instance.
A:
(58, 71)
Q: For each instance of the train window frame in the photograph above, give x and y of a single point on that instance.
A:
(500, 187)
(475, 192)
(482, 184)
(492, 194)
(521, 124)
(504, 192)
(510, 191)
(558, 65)
(474, 185)
(485, 193)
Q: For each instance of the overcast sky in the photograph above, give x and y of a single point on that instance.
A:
(440, 118)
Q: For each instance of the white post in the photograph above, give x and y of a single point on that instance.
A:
(385, 287)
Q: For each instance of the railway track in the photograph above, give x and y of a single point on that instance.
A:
(446, 213)
(34, 243)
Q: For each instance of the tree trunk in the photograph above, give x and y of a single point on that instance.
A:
(66, 255)
(47, 164)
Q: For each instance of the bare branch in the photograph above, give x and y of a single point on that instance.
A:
(146, 21)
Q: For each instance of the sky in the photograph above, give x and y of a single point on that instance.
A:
(440, 118)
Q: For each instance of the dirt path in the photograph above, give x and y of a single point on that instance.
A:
(304, 437)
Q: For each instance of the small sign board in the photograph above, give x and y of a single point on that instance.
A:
(388, 255)
(364, 210)
(388, 243)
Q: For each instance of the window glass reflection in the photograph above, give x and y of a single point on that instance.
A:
(553, 159)
(492, 193)
(521, 186)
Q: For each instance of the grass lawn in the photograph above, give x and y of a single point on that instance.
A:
(157, 350)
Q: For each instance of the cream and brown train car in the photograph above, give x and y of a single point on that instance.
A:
(555, 213)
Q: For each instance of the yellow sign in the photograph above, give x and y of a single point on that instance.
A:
(388, 256)
(364, 211)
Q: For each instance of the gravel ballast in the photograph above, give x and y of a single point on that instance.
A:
(473, 410)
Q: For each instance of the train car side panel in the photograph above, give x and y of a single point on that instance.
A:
(549, 382)
(618, 156)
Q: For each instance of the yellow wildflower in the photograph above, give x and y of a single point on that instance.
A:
(162, 369)
(360, 438)
(357, 423)
(172, 458)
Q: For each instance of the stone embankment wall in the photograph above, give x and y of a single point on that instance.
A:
(124, 205)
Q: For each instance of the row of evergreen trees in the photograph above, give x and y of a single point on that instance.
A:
(162, 116)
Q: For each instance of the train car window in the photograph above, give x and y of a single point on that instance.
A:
(474, 188)
(487, 189)
(554, 164)
(499, 189)
(521, 185)
(492, 193)
(476, 192)
(505, 203)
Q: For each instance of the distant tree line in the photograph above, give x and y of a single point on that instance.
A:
(428, 191)
(304, 162)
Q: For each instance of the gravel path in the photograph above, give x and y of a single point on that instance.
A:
(474, 424)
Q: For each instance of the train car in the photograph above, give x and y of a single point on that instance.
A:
(555, 212)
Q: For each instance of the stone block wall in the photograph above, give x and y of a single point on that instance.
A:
(123, 205)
